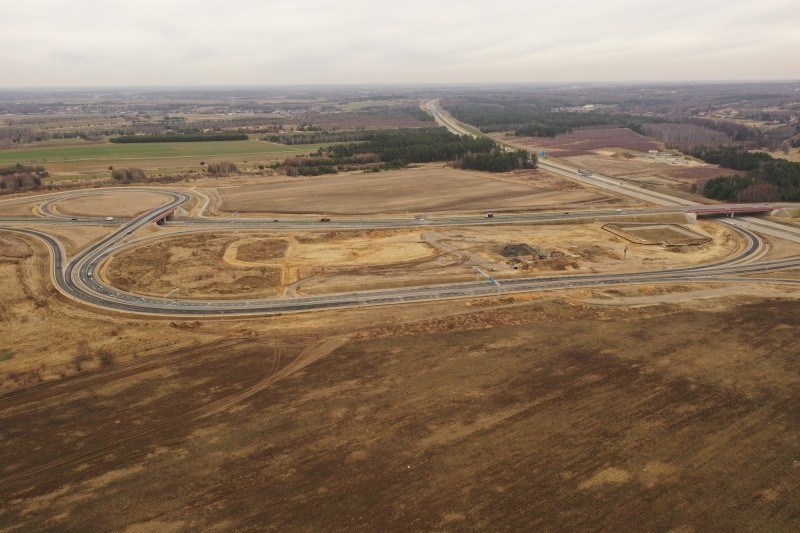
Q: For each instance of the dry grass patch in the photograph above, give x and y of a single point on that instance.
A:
(427, 189)
(192, 265)
(119, 203)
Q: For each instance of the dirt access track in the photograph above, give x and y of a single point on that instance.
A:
(427, 189)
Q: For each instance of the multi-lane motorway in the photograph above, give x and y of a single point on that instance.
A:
(617, 186)
(77, 277)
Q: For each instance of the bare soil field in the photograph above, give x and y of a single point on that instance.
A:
(585, 141)
(646, 172)
(655, 234)
(178, 263)
(622, 153)
(263, 264)
(115, 203)
(506, 416)
(701, 174)
(693, 295)
(427, 189)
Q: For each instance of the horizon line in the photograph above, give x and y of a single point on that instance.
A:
(402, 84)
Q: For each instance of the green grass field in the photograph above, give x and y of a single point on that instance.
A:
(121, 154)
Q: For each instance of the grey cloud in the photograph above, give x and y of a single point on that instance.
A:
(179, 42)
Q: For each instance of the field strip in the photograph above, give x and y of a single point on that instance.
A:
(155, 157)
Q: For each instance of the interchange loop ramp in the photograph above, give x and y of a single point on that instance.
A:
(77, 277)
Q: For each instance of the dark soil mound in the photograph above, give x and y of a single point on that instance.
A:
(516, 250)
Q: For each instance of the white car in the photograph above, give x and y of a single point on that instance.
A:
(109, 218)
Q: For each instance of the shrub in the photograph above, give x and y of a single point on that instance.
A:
(222, 168)
(106, 357)
(128, 175)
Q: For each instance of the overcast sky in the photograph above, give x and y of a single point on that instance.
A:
(250, 42)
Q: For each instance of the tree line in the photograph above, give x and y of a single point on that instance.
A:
(19, 177)
(761, 169)
(732, 157)
(550, 124)
(23, 131)
(421, 145)
(498, 161)
(179, 137)
(527, 120)
(318, 137)
(385, 149)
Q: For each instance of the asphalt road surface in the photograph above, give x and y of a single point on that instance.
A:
(77, 277)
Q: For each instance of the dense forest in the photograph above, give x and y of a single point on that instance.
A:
(732, 157)
(741, 189)
(693, 133)
(498, 161)
(684, 117)
(782, 176)
(179, 138)
(397, 148)
(318, 137)
(549, 124)
(529, 119)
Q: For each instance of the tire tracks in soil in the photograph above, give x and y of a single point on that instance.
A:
(308, 356)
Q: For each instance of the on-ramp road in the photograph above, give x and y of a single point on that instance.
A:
(77, 279)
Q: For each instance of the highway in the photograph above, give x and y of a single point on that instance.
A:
(594, 179)
(77, 277)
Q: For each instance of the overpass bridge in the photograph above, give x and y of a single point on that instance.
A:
(167, 215)
(730, 210)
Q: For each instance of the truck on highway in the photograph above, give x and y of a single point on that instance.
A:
(489, 215)
(584, 172)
